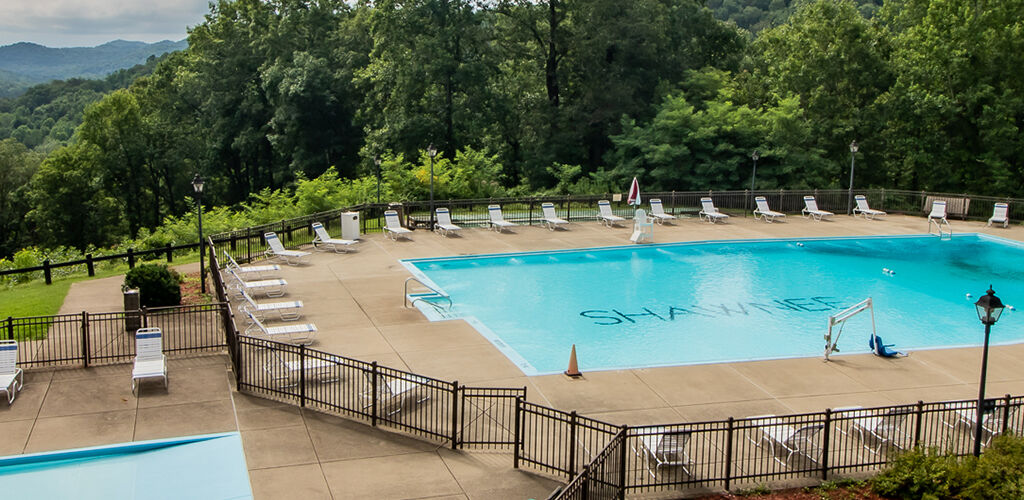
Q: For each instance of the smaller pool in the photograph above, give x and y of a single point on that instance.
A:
(198, 467)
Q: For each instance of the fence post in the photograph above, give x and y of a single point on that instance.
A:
(89, 265)
(131, 258)
(373, 401)
(85, 339)
(302, 376)
(170, 257)
(531, 212)
(518, 430)
(622, 462)
(568, 207)
(825, 442)
(46, 272)
(917, 425)
(455, 413)
(1006, 414)
(145, 321)
(572, 444)
(10, 328)
(729, 425)
(248, 246)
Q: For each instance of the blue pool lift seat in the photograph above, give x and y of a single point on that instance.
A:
(880, 349)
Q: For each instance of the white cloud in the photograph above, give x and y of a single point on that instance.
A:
(66, 23)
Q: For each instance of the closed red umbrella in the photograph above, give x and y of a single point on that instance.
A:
(634, 193)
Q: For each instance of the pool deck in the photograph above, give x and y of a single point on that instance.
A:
(356, 301)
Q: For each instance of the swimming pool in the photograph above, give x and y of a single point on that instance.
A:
(208, 467)
(718, 301)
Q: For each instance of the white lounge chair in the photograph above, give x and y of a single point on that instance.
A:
(877, 430)
(287, 311)
(709, 213)
(999, 214)
(658, 211)
(395, 392)
(497, 219)
(393, 227)
(260, 271)
(324, 238)
(293, 334)
(551, 219)
(863, 208)
(12, 378)
(270, 288)
(811, 209)
(664, 448)
(288, 372)
(764, 212)
(444, 225)
(150, 361)
(786, 438)
(604, 208)
(964, 414)
(277, 250)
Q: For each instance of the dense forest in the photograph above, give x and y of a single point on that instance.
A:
(290, 101)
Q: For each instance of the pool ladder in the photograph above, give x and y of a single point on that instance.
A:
(938, 228)
(407, 301)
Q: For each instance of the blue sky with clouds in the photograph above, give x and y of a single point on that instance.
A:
(85, 23)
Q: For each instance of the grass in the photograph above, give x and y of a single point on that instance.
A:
(39, 299)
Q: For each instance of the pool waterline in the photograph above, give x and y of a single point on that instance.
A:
(668, 304)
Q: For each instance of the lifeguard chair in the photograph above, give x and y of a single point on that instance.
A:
(643, 227)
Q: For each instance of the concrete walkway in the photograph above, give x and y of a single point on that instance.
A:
(356, 301)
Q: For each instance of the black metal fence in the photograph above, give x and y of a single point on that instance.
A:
(129, 257)
(102, 338)
(724, 454)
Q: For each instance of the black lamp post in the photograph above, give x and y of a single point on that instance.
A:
(376, 161)
(989, 308)
(853, 151)
(432, 152)
(197, 184)
(753, 175)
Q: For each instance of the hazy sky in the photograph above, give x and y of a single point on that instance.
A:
(85, 23)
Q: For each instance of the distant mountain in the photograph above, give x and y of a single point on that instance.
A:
(24, 64)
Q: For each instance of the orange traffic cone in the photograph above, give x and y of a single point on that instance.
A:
(573, 370)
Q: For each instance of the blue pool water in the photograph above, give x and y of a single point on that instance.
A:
(702, 302)
(198, 467)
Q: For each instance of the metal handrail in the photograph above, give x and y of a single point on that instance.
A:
(938, 227)
(405, 296)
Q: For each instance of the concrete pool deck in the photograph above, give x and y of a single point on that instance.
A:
(356, 301)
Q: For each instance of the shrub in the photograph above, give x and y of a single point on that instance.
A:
(930, 475)
(158, 285)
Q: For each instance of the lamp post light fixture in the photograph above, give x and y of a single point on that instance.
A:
(753, 175)
(853, 152)
(989, 308)
(197, 185)
(431, 152)
(376, 161)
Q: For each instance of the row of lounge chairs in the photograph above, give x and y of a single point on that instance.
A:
(258, 313)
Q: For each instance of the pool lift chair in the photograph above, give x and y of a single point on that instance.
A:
(840, 318)
(497, 219)
(150, 361)
(605, 214)
(277, 251)
(661, 447)
(658, 212)
(880, 349)
(12, 378)
(323, 238)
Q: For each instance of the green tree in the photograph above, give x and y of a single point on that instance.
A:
(17, 166)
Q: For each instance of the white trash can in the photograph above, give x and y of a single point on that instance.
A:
(350, 225)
